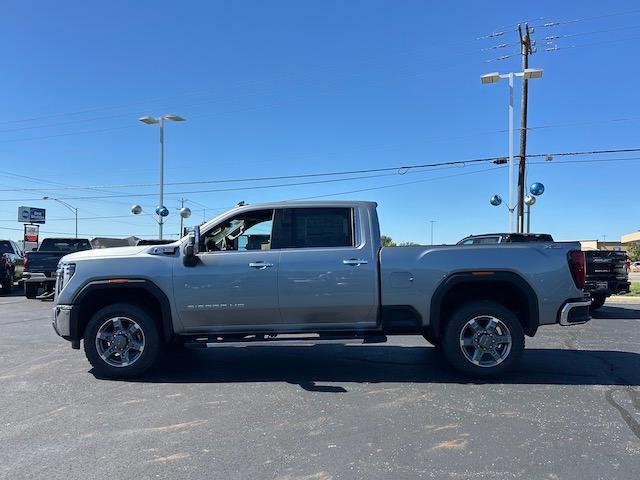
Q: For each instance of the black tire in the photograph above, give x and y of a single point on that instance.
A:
(451, 341)
(30, 290)
(7, 284)
(153, 343)
(597, 301)
(429, 338)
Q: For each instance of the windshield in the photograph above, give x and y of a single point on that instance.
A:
(5, 247)
(64, 245)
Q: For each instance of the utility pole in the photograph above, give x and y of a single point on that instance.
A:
(525, 50)
(432, 222)
(181, 218)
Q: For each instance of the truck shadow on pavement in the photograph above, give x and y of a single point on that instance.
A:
(616, 313)
(334, 364)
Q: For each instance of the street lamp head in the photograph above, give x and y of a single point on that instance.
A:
(495, 200)
(529, 200)
(148, 120)
(185, 212)
(136, 209)
(531, 73)
(488, 78)
(175, 118)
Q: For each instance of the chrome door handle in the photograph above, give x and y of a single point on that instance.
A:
(354, 262)
(260, 265)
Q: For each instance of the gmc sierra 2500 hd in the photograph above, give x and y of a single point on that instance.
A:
(313, 272)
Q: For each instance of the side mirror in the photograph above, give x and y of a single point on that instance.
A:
(190, 258)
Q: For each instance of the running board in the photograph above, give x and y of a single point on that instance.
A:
(285, 339)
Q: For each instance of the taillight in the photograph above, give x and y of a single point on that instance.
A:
(26, 262)
(3, 260)
(577, 265)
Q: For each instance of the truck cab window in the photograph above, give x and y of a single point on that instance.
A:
(315, 227)
(244, 232)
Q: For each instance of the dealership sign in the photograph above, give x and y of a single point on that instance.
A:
(31, 233)
(31, 215)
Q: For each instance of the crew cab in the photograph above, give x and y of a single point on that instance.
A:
(40, 266)
(313, 272)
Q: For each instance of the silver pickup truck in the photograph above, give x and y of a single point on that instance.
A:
(313, 272)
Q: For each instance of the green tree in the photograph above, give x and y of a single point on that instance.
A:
(387, 241)
(633, 250)
(408, 244)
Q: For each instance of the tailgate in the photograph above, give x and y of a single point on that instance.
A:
(43, 262)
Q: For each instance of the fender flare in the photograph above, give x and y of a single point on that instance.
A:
(126, 283)
(446, 285)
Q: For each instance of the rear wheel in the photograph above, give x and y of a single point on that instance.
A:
(30, 290)
(122, 341)
(483, 339)
(597, 301)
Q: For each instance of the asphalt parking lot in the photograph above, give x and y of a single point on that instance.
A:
(572, 410)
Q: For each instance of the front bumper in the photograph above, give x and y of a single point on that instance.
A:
(62, 320)
(574, 312)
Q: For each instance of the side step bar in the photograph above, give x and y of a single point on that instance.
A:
(303, 339)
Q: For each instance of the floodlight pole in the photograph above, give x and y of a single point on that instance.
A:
(161, 204)
(71, 208)
(510, 205)
(526, 74)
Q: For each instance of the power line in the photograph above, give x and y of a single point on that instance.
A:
(582, 45)
(403, 169)
(584, 19)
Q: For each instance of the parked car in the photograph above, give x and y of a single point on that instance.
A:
(40, 266)
(313, 272)
(606, 270)
(11, 264)
(493, 238)
(635, 266)
(153, 242)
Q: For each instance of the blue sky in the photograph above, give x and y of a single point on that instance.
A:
(289, 87)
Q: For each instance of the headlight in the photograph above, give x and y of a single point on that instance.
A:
(65, 272)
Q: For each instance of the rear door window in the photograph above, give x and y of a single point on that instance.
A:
(314, 228)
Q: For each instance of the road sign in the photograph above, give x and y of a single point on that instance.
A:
(31, 233)
(31, 215)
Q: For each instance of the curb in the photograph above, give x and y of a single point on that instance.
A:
(623, 299)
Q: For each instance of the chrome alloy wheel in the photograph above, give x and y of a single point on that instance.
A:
(485, 341)
(120, 341)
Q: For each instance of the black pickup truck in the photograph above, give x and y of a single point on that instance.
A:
(10, 264)
(40, 266)
(606, 275)
(606, 270)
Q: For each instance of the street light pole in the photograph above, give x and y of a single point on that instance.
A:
(510, 206)
(161, 204)
(432, 222)
(69, 207)
(526, 74)
(152, 121)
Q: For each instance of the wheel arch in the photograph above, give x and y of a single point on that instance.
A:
(504, 287)
(140, 292)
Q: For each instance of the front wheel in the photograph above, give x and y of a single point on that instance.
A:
(7, 284)
(122, 341)
(597, 301)
(483, 339)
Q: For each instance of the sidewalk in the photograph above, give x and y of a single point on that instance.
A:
(623, 299)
